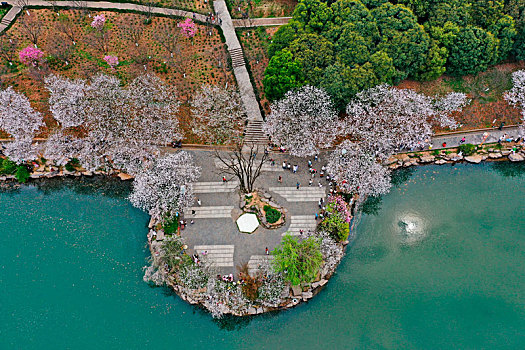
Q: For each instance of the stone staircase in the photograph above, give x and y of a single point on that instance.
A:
(215, 187)
(237, 57)
(216, 255)
(256, 261)
(303, 194)
(253, 134)
(214, 212)
(301, 222)
(5, 21)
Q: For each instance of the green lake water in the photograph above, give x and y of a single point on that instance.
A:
(440, 265)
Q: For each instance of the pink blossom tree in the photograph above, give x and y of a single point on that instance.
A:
(31, 56)
(187, 28)
(98, 22)
(516, 97)
(111, 60)
(303, 122)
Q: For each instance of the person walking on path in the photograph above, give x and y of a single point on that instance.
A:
(280, 179)
(199, 202)
(284, 165)
(462, 140)
(267, 251)
(444, 144)
(224, 179)
(298, 185)
(310, 182)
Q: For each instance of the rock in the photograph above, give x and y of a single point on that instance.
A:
(260, 310)
(307, 295)
(427, 159)
(151, 222)
(315, 285)
(440, 162)
(495, 155)
(346, 242)
(242, 204)
(407, 164)
(516, 157)
(393, 166)
(403, 158)
(453, 157)
(87, 173)
(476, 159)
(296, 291)
(491, 150)
(323, 282)
(124, 176)
(252, 310)
(390, 160)
(267, 195)
(505, 152)
(272, 204)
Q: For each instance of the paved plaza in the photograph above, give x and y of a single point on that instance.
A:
(214, 230)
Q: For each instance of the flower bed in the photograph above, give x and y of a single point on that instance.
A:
(270, 214)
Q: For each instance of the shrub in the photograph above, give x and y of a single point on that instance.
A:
(250, 287)
(7, 167)
(467, 149)
(272, 214)
(298, 261)
(173, 252)
(22, 174)
(337, 218)
(170, 226)
(73, 164)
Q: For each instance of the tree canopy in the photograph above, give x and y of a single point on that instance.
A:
(347, 46)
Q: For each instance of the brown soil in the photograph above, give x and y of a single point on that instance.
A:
(262, 8)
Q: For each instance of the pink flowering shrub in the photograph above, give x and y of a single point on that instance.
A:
(337, 219)
(187, 28)
(111, 60)
(98, 22)
(31, 56)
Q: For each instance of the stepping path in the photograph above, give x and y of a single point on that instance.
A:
(254, 133)
(261, 22)
(218, 255)
(215, 187)
(256, 261)
(301, 222)
(303, 194)
(214, 212)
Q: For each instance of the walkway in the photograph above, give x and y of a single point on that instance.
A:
(9, 17)
(474, 137)
(261, 22)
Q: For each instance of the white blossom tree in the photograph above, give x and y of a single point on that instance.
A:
(357, 171)
(166, 187)
(386, 120)
(120, 127)
(21, 121)
(516, 97)
(218, 114)
(303, 122)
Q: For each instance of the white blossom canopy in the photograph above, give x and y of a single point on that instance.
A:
(218, 115)
(122, 127)
(357, 171)
(166, 187)
(21, 121)
(386, 120)
(516, 97)
(303, 122)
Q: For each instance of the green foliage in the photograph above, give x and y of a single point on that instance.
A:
(72, 165)
(7, 167)
(173, 253)
(272, 214)
(467, 149)
(299, 261)
(472, 51)
(336, 227)
(22, 174)
(283, 73)
(170, 225)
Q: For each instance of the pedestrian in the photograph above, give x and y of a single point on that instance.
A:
(224, 179)
(284, 165)
(316, 157)
(501, 126)
(320, 185)
(301, 232)
(280, 179)
(321, 174)
(430, 147)
(316, 216)
(310, 164)
(320, 204)
(267, 252)
(321, 200)
(220, 21)
(295, 167)
(310, 182)
(289, 166)
(199, 202)
(298, 185)
(192, 212)
(273, 162)
(444, 144)
(192, 222)
(462, 140)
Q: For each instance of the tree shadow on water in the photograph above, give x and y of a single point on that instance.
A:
(400, 176)
(372, 205)
(508, 169)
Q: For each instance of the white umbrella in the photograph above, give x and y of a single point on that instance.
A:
(247, 223)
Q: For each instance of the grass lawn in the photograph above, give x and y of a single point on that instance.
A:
(261, 8)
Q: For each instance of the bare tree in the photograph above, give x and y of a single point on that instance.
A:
(32, 27)
(134, 32)
(168, 37)
(66, 27)
(8, 45)
(244, 163)
(99, 40)
(148, 9)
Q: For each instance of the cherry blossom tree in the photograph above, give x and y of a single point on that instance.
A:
(357, 171)
(98, 22)
(111, 60)
(21, 121)
(31, 56)
(218, 115)
(386, 120)
(187, 28)
(167, 187)
(120, 127)
(516, 97)
(303, 122)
